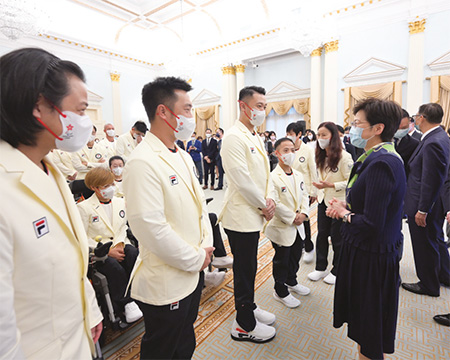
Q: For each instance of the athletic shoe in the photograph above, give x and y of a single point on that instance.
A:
(289, 301)
(222, 262)
(260, 334)
(132, 312)
(263, 316)
(299, 289)
(214, 278)
(308, 257)
(330, 279)
(316, 275)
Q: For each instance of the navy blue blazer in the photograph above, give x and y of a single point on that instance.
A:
(445, 193)
(428, 169)
(405, 148)
(195, 153)
(210, 150)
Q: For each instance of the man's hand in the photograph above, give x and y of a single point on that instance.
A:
(299, 218)
(73, 177)
(269, 210)
(448, 217)
(323, 184)
(96, 331)
(421, 219)
(312, 200)
(117, 253)
(102, 160)
(84, 162)
(209, 253)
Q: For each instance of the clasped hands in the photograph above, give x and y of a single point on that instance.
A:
(337, 209)
(323, 184)
(269, 211)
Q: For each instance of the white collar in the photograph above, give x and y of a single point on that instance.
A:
(425, 134)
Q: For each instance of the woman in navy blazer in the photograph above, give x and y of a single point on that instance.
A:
(367, 281)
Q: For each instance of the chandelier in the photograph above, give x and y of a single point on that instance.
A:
(19, 18)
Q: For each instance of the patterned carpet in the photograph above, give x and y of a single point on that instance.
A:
(305, 332)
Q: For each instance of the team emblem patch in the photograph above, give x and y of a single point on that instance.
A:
(95, 219)
(301, 159)
(98, 156)
(252, 150)
(175, 306)
(41, 227)
(173, 180)
(302, 185)
(122, 213)
(283, 189)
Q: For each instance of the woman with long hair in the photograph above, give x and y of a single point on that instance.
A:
(333, 165)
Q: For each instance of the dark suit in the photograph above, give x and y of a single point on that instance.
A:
(209, 149)
(405, 148)
(428, 169)
(416, 135)
(219, 164)
(350, 148)
(180, 144)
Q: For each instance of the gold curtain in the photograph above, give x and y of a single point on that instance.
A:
(352, 95)
(301, 106)
(206, 117)
(440, 93)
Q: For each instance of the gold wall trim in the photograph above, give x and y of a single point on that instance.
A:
(331, 46)
(417, 26)
(228, 70)
(240, 68)
(317, 52)
(352, 7)
(115, 76)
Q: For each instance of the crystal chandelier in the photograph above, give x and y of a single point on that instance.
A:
(19, 18)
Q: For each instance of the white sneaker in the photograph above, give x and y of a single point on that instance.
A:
(289, 301)
(299, 289)
(330, 279)
(260, 334)
(263, 316)
(214, 278)
(222, 262)
(316, 275)
(132, 312)
(308, 257)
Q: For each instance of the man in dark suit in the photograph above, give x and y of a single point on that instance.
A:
(219, 136)
(428, 169)
(404, 144)
(413, 131)
(346, 142)
(209, 151)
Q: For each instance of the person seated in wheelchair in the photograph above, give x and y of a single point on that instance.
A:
(104, 219)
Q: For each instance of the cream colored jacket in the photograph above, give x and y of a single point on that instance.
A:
(97, 223)
(247, 167)
(48, 306)
(110, 147)
(291, 200)
(91, 156)
(167, 214)
(338, 176)
(63, 162)
(305, 162)
(125, 144)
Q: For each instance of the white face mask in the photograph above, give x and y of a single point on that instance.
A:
(185, 126)
(292, 137)
(193, 139)
(91, 138)
(208, 135)
(108, 193)
(310, 137)
(76, 132)
(324, 143)
(117, 171)
(288, 159)
(110, 132)
(257, 117)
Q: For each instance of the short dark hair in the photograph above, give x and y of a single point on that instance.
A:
(297, 127)
(385, 112)
(208, 129)
(223, 132)
(140, 126)
(340, 129)
(250, 90)
(405, 114)
(347, 128)
(282, 140)
(116, 157)
(95, 128)
(432, 112)
(162, 91)
(25, 75)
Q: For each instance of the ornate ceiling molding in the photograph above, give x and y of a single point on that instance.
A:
(206, 98)
(285, 91)
(374, 69)
(441, 63)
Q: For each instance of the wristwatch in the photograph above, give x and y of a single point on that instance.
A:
(345, 217)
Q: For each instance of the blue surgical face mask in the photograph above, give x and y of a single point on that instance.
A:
(356, 139)
(401, 133)
(416, 126)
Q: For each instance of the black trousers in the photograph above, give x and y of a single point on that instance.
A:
(244, 246)
(286, 263)
(327, 227)
(118, 274)
(217, 237)
(169, 329)
(209, 170)
(198, 165)
(221, 172)
(309, 246)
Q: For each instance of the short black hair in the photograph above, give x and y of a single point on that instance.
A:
(347, 128)
(140, 126)
(340, 129)
(223, 132)
(405, 114)
(95, 128)
(282, 140)
(432, 112)
(297, 127)
(385, 112)
(25, 75)
(250, 90)
(116, 157)
(207, 130)
(162, 91)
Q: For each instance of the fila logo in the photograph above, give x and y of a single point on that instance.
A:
(41, 227)
(95, 219)
(252, 150)
(173, 180)
(175, 306)
(283, 189)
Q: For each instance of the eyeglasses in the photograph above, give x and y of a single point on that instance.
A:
(414, 117)
(358, 122)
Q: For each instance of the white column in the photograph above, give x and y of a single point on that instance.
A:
(330, 91)
(415, 65)
(240, 78)
(315, 103)
(117, 107)
(229, 99)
